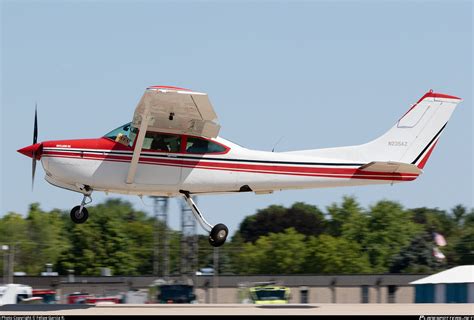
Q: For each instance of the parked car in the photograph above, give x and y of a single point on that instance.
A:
(48, 296)
(77, 297)
(172, 293)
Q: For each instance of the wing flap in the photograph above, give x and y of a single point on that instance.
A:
(390, 167)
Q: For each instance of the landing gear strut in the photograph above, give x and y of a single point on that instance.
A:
(217, 234)
(79, 214)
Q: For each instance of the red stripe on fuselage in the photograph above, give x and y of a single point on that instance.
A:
(241, 167)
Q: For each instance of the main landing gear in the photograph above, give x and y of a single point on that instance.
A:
(79, 214)
(217, 234)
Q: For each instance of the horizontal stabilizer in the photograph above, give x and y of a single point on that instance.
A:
(390, 167)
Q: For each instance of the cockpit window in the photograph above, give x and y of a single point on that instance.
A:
(124, 134)
(162, 142)
(200, 146)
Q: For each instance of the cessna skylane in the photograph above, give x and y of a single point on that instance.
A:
(172, 148)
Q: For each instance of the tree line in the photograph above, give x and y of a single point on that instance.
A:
(301, 239)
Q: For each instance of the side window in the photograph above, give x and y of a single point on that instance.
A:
(200, 146)
(162, 142)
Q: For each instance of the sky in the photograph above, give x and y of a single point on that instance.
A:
(285, 74)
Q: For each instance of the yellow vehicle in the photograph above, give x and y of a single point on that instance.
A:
(269, 293)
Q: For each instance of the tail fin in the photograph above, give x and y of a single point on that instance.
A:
(414, 136)
(411, 140)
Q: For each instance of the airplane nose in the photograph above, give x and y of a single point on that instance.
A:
(35, 149)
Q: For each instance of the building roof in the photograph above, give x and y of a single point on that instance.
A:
(461, 274)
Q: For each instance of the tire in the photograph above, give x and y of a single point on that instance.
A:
(79, 217)
(218, 235)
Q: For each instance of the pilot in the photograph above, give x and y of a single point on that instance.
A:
(199, 146)
(123, 139)
(159, 144)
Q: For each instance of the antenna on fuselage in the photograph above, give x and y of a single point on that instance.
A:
(273, 150)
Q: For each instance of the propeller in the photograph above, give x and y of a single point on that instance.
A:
(35, 139)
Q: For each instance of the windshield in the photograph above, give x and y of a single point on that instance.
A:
(124, 134)
(270, 294)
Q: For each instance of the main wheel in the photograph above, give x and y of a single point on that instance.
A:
(218, 235)
(78, 216)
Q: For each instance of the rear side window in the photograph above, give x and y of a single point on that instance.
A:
(201, 146)
(162, 142)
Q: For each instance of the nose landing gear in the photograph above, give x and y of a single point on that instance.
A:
(79, 214)
(217, 234)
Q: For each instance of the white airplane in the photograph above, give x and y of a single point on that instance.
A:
(172, 148)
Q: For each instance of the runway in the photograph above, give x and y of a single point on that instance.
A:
(242, 309)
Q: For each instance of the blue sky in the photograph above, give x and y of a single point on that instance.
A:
(311, 73)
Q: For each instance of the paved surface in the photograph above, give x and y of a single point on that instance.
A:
(242, 309)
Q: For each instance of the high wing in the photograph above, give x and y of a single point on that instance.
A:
(177, 110)
(172, 110)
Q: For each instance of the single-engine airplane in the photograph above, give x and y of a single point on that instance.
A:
(172, 148)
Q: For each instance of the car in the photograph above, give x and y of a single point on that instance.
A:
(48, 296)
(205, 272)
(77, 297)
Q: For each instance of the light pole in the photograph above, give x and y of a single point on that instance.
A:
(216, 275)
(70, 276)
(11, 263)
(5, 249)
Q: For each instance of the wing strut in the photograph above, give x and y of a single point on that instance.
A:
(139, 144)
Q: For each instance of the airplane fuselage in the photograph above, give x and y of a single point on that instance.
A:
(103, 164)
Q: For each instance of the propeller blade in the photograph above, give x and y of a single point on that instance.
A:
(35, 139)
(35, 128)
(33, 170)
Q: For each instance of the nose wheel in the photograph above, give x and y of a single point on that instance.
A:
(217, 234)
(79, 214)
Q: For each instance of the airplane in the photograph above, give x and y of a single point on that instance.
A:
(172, 148)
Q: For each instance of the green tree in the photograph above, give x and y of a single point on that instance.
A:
(469, 219)
(304, 218)
(417, 257)
(390, 228)
(459, 212)
(47, 239)
(115, 236)
(342, 215)
(349, 220)
(435, 220)
(328, 254)
(276, 253)
(463, 247)
(14, 233)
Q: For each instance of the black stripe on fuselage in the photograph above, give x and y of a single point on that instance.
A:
(429, 144)
(175, 156)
